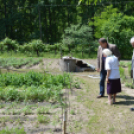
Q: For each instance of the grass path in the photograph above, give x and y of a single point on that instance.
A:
(89, 115)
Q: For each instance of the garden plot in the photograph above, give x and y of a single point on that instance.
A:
(32, 102)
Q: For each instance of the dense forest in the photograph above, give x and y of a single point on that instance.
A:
(53, 21)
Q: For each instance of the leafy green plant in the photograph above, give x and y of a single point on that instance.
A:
(72, 112)
(27, 111)
(43, 110)
(43, 119)
(32, 86)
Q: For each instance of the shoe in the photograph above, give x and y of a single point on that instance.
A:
(113, 101)
(132, 109)
(100, 96)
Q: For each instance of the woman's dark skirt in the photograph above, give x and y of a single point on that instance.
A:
(114, 86)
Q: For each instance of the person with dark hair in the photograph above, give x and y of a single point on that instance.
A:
(101, 62)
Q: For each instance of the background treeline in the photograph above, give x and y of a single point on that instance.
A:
(76, 25)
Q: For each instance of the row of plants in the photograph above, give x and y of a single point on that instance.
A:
(38, 46)
(19, 62)
(33, 86)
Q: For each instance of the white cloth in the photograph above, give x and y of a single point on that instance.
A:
(112, 64)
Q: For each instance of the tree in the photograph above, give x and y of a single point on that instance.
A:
(119, 29)
(80, 37)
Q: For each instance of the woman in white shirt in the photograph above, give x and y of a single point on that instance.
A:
(113, 75)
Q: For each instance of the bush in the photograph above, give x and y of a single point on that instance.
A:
(8, 44)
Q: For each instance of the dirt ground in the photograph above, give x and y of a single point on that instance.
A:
(86, 113)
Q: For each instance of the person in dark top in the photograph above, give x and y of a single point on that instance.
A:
(101, 62)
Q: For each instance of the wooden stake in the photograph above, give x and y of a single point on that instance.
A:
(65, 122)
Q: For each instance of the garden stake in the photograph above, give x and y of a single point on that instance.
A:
(65, 122)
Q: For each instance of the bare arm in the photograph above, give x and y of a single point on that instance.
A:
(108, 74)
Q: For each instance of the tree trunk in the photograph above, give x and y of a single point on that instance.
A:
(37, 53)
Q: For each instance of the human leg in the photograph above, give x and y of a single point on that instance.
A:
(109, 99)
(103, 74)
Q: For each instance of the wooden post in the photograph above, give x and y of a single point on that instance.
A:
(65, 122)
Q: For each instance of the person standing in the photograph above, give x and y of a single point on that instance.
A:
(132, 65)
(101, 62)
(113, 75)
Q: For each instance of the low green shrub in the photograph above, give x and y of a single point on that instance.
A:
(13, 131)
(43, 119)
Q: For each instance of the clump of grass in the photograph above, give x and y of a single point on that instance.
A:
(12, 112)
(43, 119)
(72, 112)
(4, 119)
(129, 85)
(43, 110)
(2, 106)
(27, 111)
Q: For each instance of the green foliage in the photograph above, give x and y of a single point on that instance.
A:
(101, 18)
(79, 37)
(43, 110)
(129, 85)
(119, 28)
(8, 44)
(13, 131)
(32, 86)
(43, 119)
(19, 62)
(27, 111)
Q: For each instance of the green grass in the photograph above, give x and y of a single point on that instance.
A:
(19, 62)
(43, 110)
(43, 119)
(124, 64)
(13, 131)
